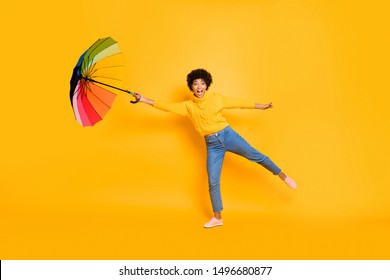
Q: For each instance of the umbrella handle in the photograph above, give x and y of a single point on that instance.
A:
(136, 99)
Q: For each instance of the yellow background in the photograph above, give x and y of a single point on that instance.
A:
(135, 187)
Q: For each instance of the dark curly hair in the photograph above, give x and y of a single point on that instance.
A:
(199, 74)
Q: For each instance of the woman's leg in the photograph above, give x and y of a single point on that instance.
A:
(215, 156)
(238, 145)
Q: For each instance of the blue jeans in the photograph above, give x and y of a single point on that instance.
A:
(227, 140)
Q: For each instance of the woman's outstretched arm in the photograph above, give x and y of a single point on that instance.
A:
(177, 108)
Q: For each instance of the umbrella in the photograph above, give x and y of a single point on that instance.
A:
(94, 79)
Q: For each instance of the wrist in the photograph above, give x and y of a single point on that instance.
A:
(259, 106)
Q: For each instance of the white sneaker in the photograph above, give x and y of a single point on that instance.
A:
(290, 182)
(214, 222)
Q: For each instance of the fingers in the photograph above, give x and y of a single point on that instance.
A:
(137, 95)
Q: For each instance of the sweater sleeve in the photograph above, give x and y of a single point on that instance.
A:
(177, 108)
(231, 103)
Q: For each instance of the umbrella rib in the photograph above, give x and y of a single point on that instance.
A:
(111, 66)
(104, 77)
(93, 71)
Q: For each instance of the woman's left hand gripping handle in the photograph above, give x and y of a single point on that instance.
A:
(137, 98)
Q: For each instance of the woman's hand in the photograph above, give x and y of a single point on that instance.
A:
(143, 99)
(138, 96)
(263, 106)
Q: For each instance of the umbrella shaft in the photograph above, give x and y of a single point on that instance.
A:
(94, 81)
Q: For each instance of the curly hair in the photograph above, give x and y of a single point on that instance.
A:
(199, 74)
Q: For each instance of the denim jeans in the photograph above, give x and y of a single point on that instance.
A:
(227, 140)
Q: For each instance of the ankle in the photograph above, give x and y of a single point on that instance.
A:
(218, 215)
(282, 176)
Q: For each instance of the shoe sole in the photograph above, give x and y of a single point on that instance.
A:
(217, 225)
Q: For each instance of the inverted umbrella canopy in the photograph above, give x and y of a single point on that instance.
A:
(90, 94)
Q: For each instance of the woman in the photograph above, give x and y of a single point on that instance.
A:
(204, 111)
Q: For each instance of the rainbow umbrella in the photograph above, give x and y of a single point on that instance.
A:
(94, 78)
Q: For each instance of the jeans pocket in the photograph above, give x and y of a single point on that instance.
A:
(210, 139)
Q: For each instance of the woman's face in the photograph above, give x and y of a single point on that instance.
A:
(199, 87)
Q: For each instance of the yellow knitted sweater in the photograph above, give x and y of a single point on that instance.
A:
(205, 113)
